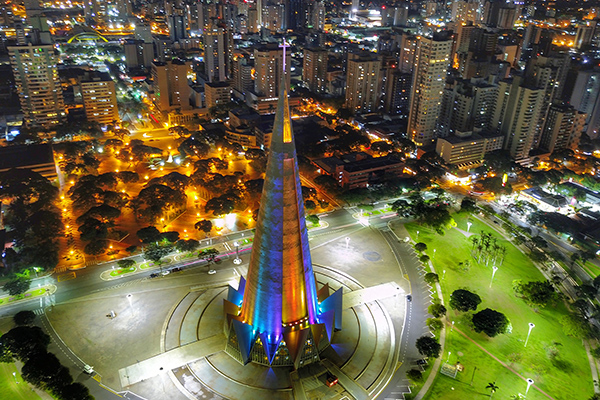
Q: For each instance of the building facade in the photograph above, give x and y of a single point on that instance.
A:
(38, 85)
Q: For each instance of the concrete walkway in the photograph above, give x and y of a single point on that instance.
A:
(592, 366)
(175, 358)
(373, 293)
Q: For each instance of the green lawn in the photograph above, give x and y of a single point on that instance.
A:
(567, 376)
(122, 271)
(10, 389)
(591, 269)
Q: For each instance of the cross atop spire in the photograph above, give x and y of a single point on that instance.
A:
(284, 45)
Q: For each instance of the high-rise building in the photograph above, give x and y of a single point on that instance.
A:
(170, 84)
(243, 81)
(317, 15)
(464, 12)
(429, 77)
(585, 34)
(99, 97)
(91, 9)
(38, 84)
(548, 74)
(407, 49)
(314, 71)
(268, 63)
(563, 128)
(276, 316)
(217, 93)
(218, 53)
(363, 83)
(585, 97)
(138, 53)
(397, 93)
(177, 27)
(516, 115)
(467, 106)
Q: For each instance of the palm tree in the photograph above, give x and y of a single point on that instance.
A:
(492, 386)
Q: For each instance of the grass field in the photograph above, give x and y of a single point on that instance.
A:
(10, 389)
(566, 375)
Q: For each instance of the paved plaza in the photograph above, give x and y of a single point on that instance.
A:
(167, 339)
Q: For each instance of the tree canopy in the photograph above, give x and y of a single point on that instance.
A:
(490, 322)
(463, 300)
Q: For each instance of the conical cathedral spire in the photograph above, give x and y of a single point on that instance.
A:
(275, 317)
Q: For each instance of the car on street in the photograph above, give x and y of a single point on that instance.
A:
(88, 369)
(331, 379)
(212, 272)
(408, 297)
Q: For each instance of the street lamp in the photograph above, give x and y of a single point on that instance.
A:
(469, 223)
(417, 235)
(237, 260)
(443, 274)
(494, 269)
(531, 326)
(448, 359)
(529, 383)
(347, 241)
(15, 376)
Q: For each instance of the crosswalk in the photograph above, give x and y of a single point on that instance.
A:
(38, 311)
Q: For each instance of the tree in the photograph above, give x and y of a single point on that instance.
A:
(204, 225)
(154, 252)
(75, 391)
(424, 258)
(536, 293)
(420, 247)
(490, 322)
(124, 264)
(463, 300)
(313, 219)
(437, 310)
(588, 291)
(149, 234)
(92, 229)
(23, 341)
(208, 254)
(431, 278)
(414, 375)
(468, 205)
(403, 208)
(17, 286)
(45, 371)
(96, 247)
(434, 324)
(576, 326)
(492, 386)
(186, 245)
(171, 236)
(220, 205)
(428, 346)
(24, 317)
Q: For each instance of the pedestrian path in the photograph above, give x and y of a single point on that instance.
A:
(164, 362)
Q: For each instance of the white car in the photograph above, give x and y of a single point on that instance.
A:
(88, 369)
(212, 272)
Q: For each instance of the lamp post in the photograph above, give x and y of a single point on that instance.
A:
(469, 223)
(417, 235)
(237, 260)
(434, 250)
(529, 383)
(443, 274)
(531, 326)
(448, 359)
(494, 269)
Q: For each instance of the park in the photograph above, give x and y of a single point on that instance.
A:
(557, 363)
